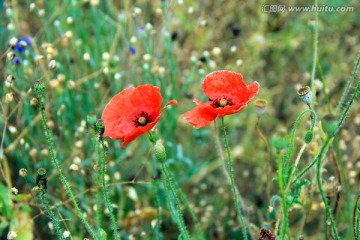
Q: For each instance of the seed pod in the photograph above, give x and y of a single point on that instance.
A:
(260, 106)
(305, 94)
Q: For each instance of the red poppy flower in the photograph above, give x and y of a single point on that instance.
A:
(133, 112)
(228, 94)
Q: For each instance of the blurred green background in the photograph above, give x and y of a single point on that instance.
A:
(101, 47)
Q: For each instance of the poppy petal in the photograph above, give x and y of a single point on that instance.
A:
(227, 110)
(171, 102)
(253, 90)
(138, 131)
(118, 115)
(224, 84)
(146, 98)
(199, 117)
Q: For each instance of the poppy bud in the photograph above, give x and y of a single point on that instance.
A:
(160, 152)
(39, 88)
(100, 127)
(329, 124)
(308, 136)
(41, 179)
(305, 94)
(260, 106)
(279, 141)
(91, 119)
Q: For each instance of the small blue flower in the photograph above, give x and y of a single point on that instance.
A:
(20, 46)
(132, 50)
(17, 60)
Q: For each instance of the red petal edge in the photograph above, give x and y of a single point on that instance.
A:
(199, 117)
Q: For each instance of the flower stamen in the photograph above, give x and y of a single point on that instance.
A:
(222, 102)
(142, 119)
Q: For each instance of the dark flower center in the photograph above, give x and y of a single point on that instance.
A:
(221, 102)
(142, 119)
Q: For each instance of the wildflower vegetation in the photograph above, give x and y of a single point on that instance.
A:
(179, 120)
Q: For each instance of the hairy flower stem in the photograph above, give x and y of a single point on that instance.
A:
(356, 219)
(315, 51)
(338, 175)
(155, 185)
(233, 187)
(187, 204)
(318, 178)
(224, 166)
(284, 214)
(184, 232)
(53, 218)
(267, 159)
(97, 182)
(106, 191)
(295, 167)
(58, 169)
(290, 149)
(348, 85)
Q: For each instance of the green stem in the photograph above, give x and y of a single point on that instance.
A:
(97, 182)
(186, 201)
(321, 77)
(233, 187)
(292, 138)
(356, 219)
(318, 178)
(155, 185)
(58, 169)
(315, 53)
(54, 219)
(184, 232)
(348, 85)
(106, 191)
(348, 105)
(283, 198)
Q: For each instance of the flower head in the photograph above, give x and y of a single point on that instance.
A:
(133, 112)
(227, 93)
(22, 43)
(305, 94)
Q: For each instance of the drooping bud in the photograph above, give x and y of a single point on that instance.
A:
(329, 124)
(160, 152)
(91, 120)
(41, 179)
(260, 106)
(305, 94)
(39, 88)
(100, 127)
(279, 141)
(308, 136)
